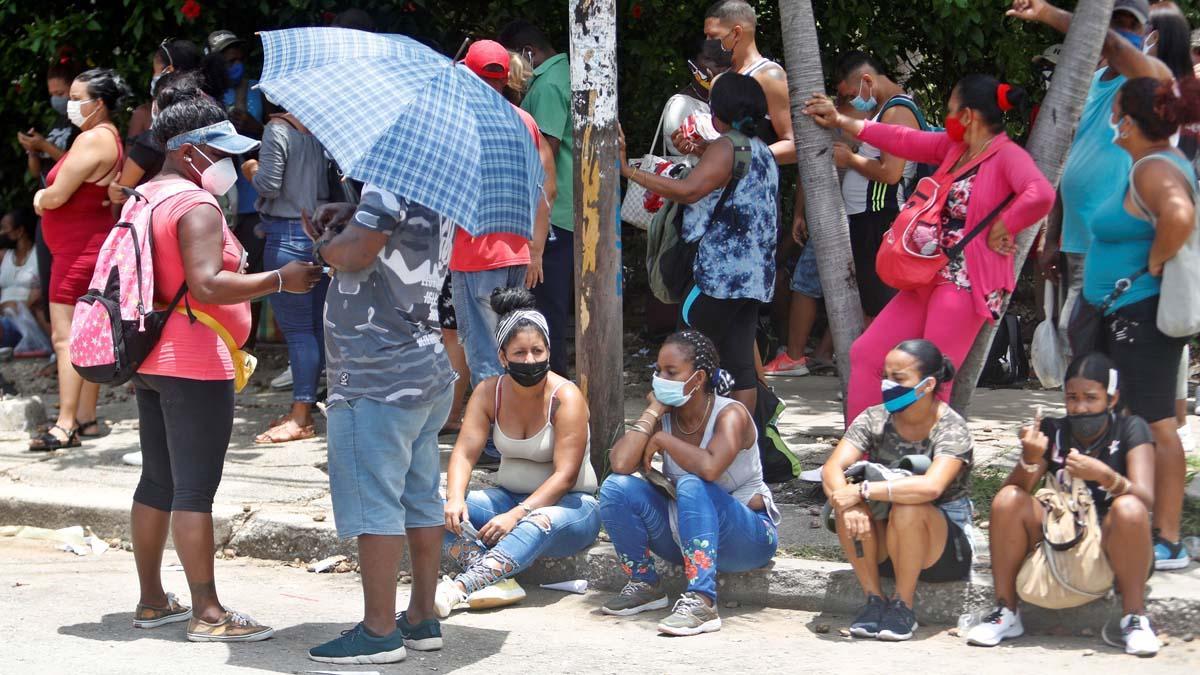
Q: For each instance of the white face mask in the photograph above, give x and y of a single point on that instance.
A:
(75, 112)
(219, 177)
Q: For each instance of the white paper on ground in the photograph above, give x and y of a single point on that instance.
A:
(573, 586)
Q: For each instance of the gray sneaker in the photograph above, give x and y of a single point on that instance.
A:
(636, 597)
(691, 616)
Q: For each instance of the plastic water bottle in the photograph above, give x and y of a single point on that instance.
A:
(1192, 544)
(965, 623)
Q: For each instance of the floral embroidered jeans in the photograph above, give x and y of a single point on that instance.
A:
(719, 533)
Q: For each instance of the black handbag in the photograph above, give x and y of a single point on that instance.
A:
(1086, 327)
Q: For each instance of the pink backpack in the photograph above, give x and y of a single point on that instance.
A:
(115, 325)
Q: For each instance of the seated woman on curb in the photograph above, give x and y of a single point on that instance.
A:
(927, 534)
(710, 455)
(544, 504)
(1114, 455)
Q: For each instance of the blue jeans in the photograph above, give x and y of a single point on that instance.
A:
(472, 293)
(556, 531)
(299, 314)
(385, 466)
(719, 533)
(556, 295)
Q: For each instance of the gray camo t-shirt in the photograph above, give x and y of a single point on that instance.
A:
(382, 337)
(874, 434)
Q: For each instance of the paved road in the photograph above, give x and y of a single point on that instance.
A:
(63, 614)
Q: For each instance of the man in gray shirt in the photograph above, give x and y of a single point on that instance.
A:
(390, 388)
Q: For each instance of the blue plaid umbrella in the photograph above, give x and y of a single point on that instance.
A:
(395, 113)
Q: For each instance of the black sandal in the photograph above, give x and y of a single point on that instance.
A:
(48, 442)
(81, 426)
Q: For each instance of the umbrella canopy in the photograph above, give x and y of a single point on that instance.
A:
(397, 114)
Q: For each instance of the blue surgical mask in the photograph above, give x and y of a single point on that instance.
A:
(670, 392)
(59, 103)
(1135, 39)
(235, 71)
(897, 397)
(864, 104)
(154, 83)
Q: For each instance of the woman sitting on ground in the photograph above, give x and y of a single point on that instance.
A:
(927, 532)
(543, 505)
(719, 517)
(1114, 455)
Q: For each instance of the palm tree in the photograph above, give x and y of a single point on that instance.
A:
(1049, 144)
(824, 208)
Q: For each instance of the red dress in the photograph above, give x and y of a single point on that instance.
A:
(74, 233)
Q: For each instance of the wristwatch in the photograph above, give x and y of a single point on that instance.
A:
(317, 252)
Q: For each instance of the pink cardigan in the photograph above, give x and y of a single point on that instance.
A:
(1010, 170)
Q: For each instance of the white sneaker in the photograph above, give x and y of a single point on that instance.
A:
(1140, 639)
(500, 594)
(448, 597)
(1001, 624)
(283, 380)
(132, 458)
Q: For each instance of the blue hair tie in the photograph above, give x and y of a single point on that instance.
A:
(742, 123)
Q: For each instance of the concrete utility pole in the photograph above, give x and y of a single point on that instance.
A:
(598, 326)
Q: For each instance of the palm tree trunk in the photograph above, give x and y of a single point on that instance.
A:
(824, 208)
(1049, 144)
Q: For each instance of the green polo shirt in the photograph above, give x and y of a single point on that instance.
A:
(549, 102)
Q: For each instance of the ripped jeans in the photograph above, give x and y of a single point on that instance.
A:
(551, 531)
(637, 519)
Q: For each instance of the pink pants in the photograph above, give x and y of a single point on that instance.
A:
(942, 313)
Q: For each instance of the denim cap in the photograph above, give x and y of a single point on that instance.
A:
(221, 136)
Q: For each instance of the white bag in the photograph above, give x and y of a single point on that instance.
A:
(633, 209)
(1179, 299)
(1047, 352)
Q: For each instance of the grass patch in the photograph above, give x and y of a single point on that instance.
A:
(814, 552)
(985, 483)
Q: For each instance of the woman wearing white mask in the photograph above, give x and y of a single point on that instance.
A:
(75, 221)
(185, 387)
(713, 513)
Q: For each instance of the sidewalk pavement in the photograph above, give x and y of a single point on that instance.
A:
(274, 504)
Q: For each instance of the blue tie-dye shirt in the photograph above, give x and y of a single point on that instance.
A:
(736, 258)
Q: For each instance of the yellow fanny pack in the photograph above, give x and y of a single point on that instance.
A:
(244, 362)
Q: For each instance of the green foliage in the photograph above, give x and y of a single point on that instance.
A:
(655, 37)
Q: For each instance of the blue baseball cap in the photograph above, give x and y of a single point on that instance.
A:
(222, 136)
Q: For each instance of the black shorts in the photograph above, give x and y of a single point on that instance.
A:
(1147, 360)
(867, 231)
(732, 325)
(953, 565)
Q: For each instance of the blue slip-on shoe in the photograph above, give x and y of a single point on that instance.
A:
(357, 646)
(1168, 556)
(425, 636)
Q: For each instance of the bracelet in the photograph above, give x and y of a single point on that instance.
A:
(1029, 468)
(635, 427)
(280, 275)
(527, 508)
(653, 414)
(649, 422)
(864, 491)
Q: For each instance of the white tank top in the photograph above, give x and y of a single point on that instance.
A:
(18, 281)
(526, 463)
(742, 478)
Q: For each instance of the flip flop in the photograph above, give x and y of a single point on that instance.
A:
(275, 436)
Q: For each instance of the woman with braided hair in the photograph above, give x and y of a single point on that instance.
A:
(708, 510)
(543, 503)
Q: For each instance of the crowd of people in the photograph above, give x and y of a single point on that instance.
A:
(406, 312)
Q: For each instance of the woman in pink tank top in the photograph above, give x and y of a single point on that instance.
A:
(185, 387)
(75, 221)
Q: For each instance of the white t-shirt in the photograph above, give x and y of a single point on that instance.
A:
(18, 281)
(862, 194)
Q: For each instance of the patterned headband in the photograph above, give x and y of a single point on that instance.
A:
(509, 324)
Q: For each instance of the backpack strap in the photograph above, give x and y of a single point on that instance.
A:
(905, 101)
(742, 156)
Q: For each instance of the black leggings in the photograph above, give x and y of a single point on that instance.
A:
(185, 426)
(732, 326)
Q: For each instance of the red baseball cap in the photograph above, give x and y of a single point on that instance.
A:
(489, 59)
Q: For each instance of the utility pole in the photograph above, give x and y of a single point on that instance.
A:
(599, 356)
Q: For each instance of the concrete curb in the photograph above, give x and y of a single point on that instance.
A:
(790, 583)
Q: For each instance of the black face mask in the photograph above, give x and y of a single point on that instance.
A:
(1089, 426)
(528, 374)
(6, 242)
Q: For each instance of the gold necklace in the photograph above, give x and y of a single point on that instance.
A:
(707, 410)
(968, 160)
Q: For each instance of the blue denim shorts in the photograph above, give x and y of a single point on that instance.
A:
(805, 279)
(385, 466)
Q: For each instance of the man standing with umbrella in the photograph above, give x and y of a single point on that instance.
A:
(390, 389)
(549, 101)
